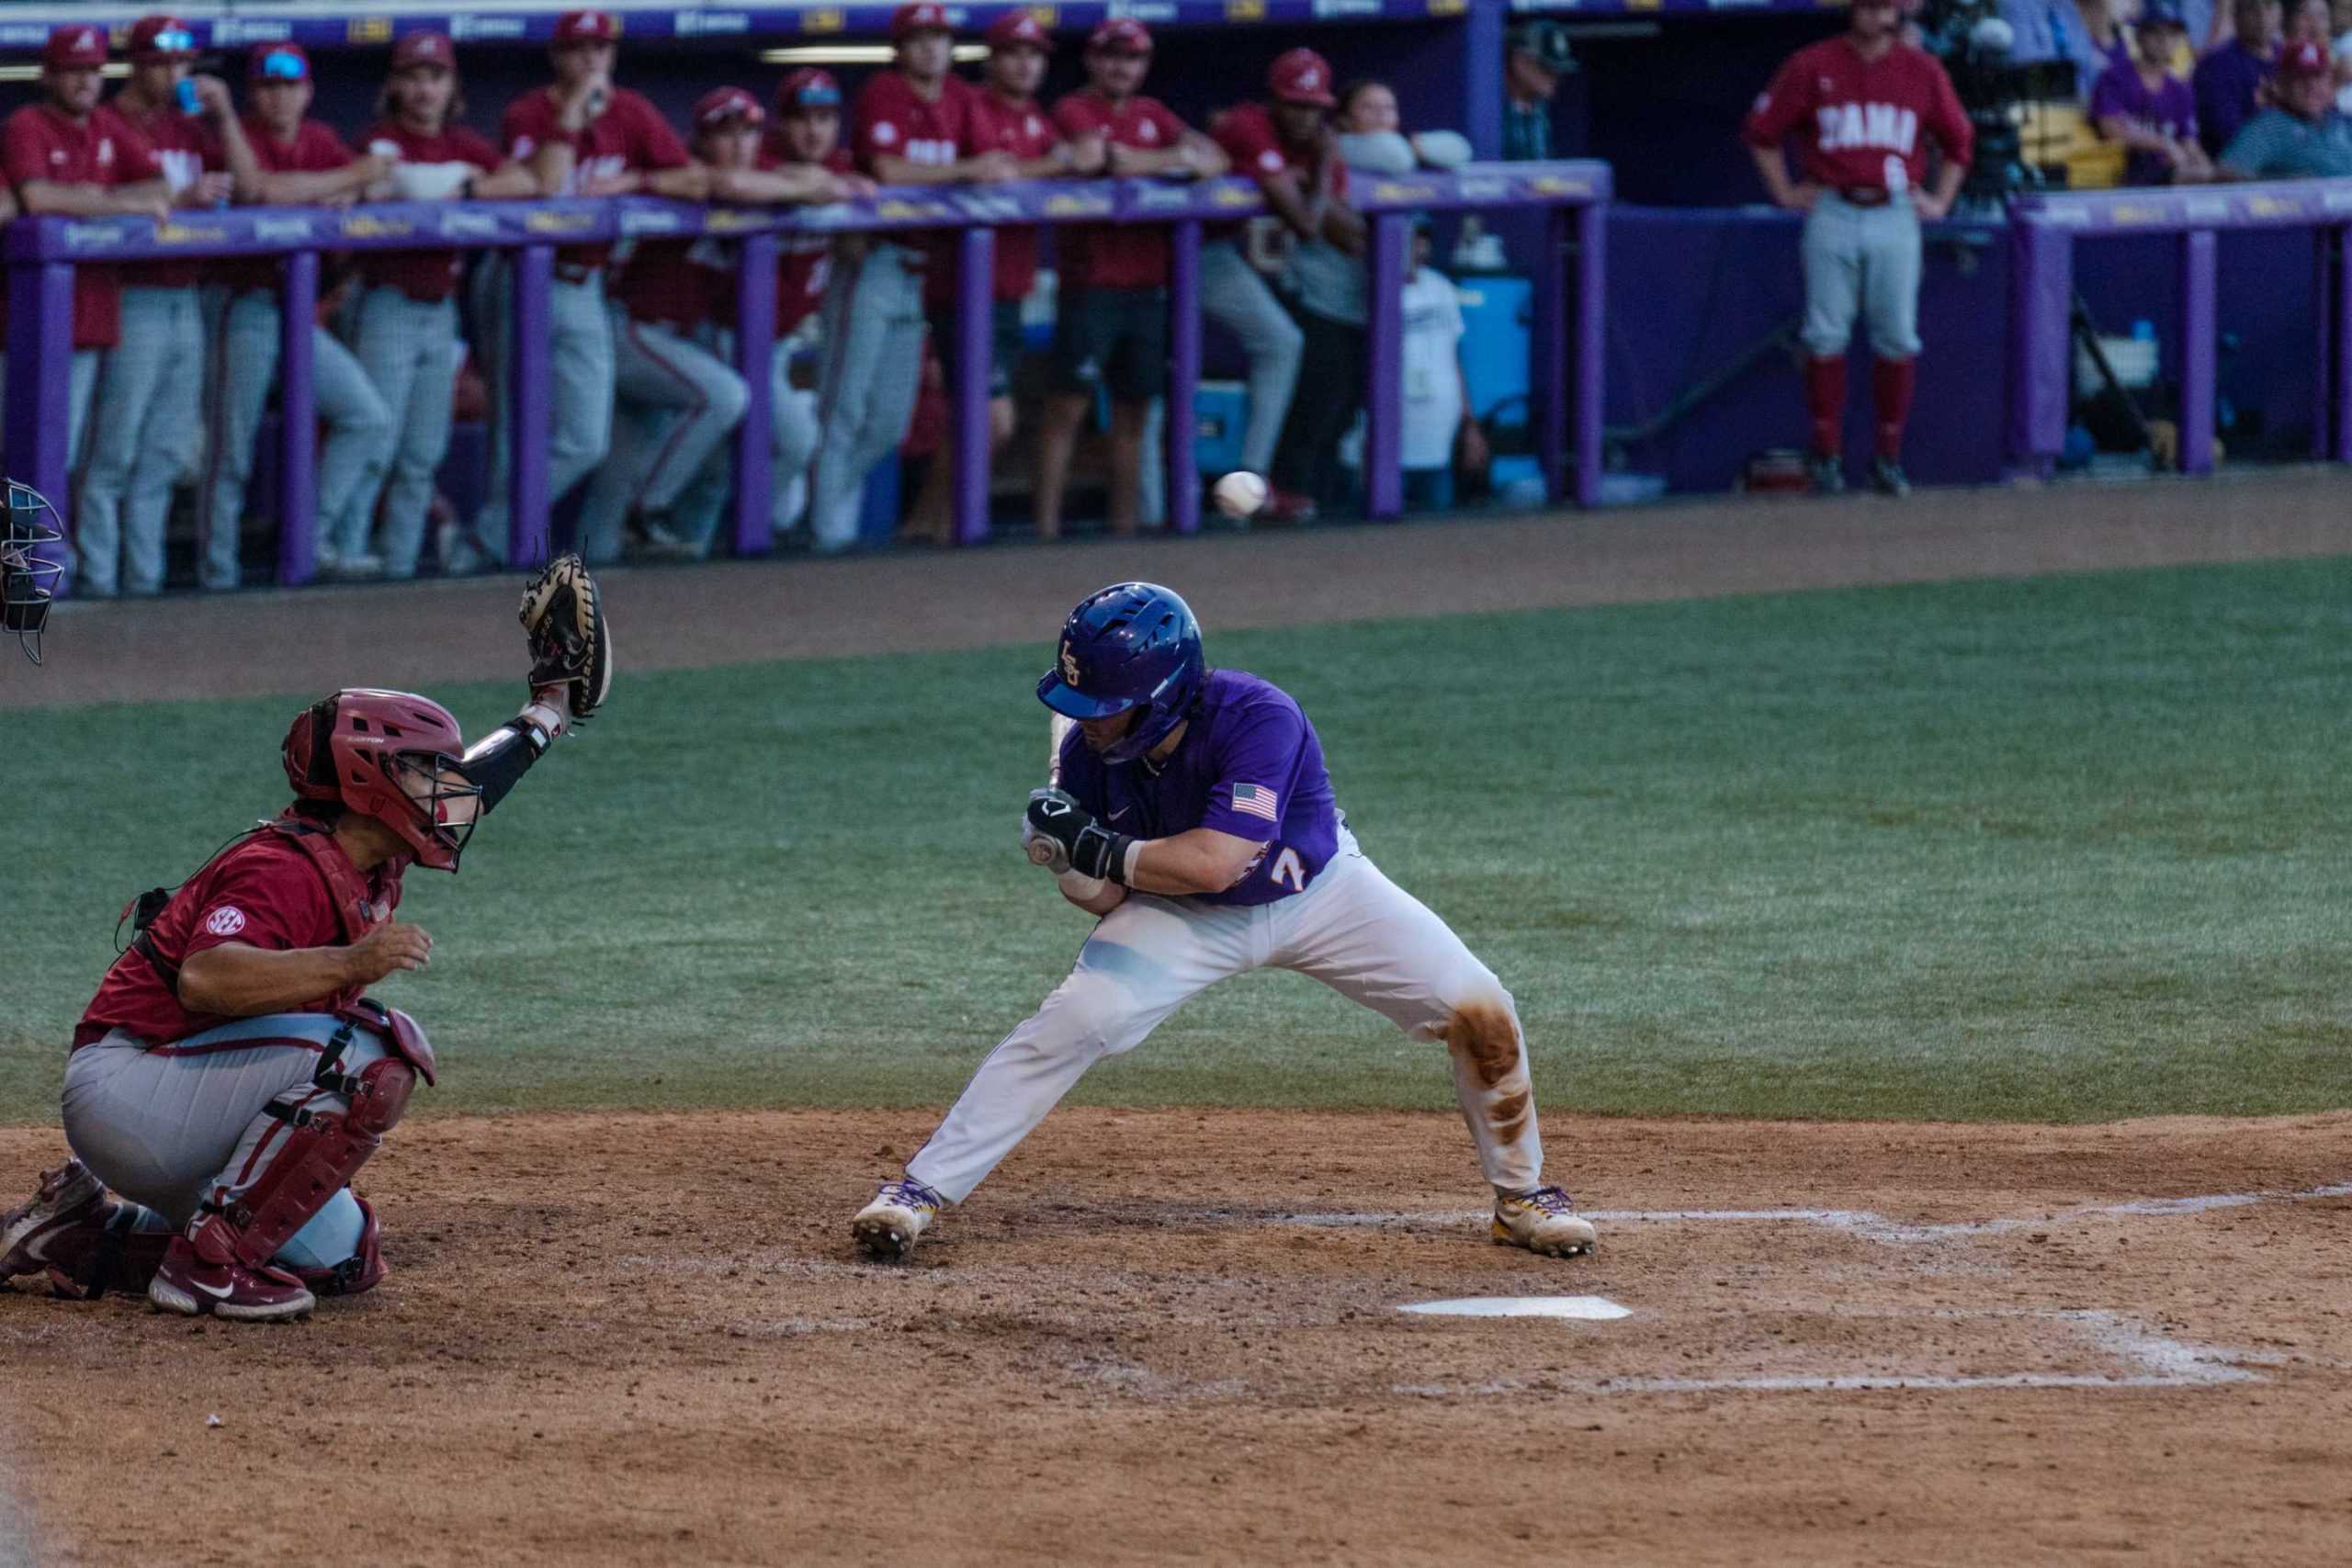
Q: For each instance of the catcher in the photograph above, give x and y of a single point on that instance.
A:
(231, 1075)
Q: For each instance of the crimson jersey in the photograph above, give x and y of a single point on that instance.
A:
(265, 892)
(891, 120)
(1126, 256)
(185, 148)
(1248, 135)
(680, 283)
(1857, 121)
(315, 150)
(1025, 130)
(804, 262)
(629, 136)
(38, 143)
(429, 275)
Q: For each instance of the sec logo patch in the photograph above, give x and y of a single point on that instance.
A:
(227, 921)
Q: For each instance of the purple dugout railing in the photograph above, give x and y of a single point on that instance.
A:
(2044, 231)
(41, 254)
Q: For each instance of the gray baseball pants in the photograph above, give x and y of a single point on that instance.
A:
(874, 327)
(147, 421)
(1233, 295)
(579, 392)
(1861, 261)
(410, 349)
(676, 402)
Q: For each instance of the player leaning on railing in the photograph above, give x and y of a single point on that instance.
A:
(231, 1075)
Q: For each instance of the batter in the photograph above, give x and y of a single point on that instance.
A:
(1192, 813)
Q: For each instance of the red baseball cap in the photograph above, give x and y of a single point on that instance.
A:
(278, 62)
(75, 48)
(587, 26)
(1019, 29)
(921, 17)
(165, 37)
(2305, 59)
(721, 104)
(424, 48)
(1120, 35)
(1301, 77)
(807, 88)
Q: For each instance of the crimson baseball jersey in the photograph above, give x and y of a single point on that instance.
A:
(422, 275)
(315, 150)
(41, 142)
(185, 148)
(804, 262)
(679, 283)
(1858, 123)
(1025, 131)
(1247, 134)
(265, 892)
(629, 136)
(1127, 255)
(891, 120)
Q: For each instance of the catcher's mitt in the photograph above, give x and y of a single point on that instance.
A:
(563, 620)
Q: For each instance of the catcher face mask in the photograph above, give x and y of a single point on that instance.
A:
(28, 578)
(448, 803)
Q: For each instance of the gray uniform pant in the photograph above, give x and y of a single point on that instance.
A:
(1861, 261)
(148, 420)
(675, 402)
(1234, 296)
(792, 438)
(580, 390)
(410, 349)
(874, 325)
(171, 1127)
(83, 378)
(351, 464)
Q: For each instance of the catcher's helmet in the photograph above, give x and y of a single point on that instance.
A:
(1133, 646)
(28, 580)
(388, 755)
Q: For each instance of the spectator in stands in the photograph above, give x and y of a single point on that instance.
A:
(580, 136)
(2304, 137)
(406, 331)
(1017, 125)
(915, 124)
(2090, 33)
(1111, 327)
(1537, 59)
(72, 156)
(300, 163)
(2151, 111)
(1287, 144)
(1439, 425)
(147, 419)
(2229, 81)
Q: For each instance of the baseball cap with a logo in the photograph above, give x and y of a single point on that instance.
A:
(1301, 77)
(424, 48)
(807, 88)
(1120, 35)
(160, 38)
(278, 62)
(1016, 29)
(721, 104)
(2304, 58)
(587, 26)
(75, 48)
(922, 16)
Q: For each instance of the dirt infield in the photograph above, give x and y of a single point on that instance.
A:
(1176, 1336)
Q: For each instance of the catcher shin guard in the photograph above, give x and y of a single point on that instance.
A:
(362, 1272)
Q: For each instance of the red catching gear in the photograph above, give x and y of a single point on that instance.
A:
(105, 1252)
(318, 1158)
(362, 1272)
(384, 754)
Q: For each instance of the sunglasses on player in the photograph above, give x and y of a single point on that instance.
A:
(282, 67)
(172, 41)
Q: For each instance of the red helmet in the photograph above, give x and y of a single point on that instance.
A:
(388, 755)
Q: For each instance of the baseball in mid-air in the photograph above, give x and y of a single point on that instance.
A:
(1240, 494)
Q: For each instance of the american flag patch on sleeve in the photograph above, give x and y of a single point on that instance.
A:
(1257, 800)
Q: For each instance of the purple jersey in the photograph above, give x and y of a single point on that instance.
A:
(1249, 765)
(2169, 107)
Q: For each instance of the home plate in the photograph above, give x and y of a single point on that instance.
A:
(1591, 1308)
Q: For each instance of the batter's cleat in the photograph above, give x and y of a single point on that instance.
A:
(66, 1197)
(886, 1228)
(1887, 478)
(1544, 1221)
(1828, 475)
(186, 1284)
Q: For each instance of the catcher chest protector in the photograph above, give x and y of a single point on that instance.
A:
(321, 1150)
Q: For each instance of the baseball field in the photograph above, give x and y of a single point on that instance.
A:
(1929, 924)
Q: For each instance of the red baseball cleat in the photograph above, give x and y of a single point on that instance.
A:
(186, 1284)
(66, 1197)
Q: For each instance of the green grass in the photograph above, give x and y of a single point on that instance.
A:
(2068, 849)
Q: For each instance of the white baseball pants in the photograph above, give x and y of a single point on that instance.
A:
(1861, 261)
(1353, 929)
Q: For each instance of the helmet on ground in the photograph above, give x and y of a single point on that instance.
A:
(1132, 647)
(29, 578)
(393, 756)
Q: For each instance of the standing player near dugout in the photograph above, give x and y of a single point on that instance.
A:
(231, 1076)
(1193, 815)
(1863, 108)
